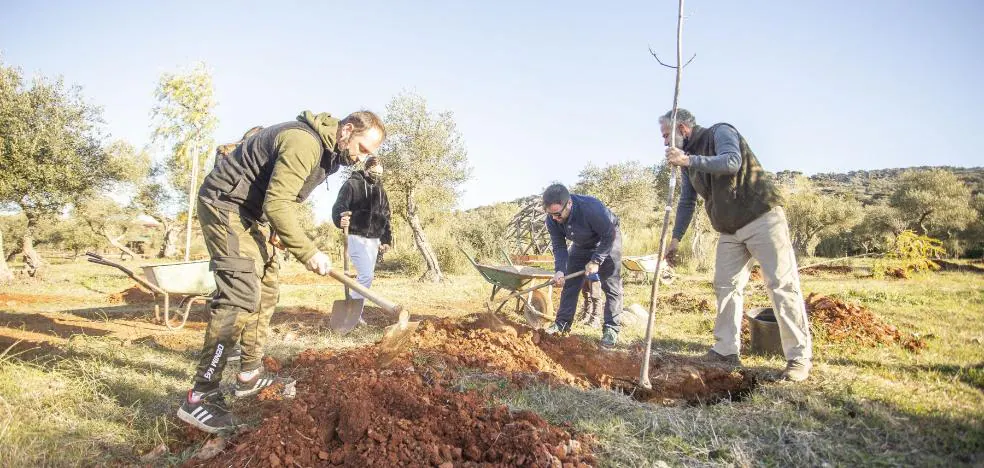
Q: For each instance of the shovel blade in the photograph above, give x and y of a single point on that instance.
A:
(396, 339)
(345, 315)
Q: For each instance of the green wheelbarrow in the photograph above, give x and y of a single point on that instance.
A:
(536, 307)
(190, 279)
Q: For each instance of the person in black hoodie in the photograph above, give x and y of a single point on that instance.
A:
(369, 225)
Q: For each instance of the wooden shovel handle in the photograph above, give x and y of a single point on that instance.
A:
(345, 257)
(365, 292)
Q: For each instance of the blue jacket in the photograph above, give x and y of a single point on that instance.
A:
(590, 226)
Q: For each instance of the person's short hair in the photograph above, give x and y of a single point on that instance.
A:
(556, 194)
(363, 120)
(683, 117)
(372, 161)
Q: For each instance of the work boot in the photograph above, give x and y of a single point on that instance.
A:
(557, 329)
(593, 319)
(209, 413)
(713, 356)
(608, 338)
(260, 381)
(797, 370)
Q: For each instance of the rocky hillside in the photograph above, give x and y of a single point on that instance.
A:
(876, 185)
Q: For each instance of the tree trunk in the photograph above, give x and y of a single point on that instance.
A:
(433, 272)
(700, 241)
(169, 246)
(6, 275)
(31, 257)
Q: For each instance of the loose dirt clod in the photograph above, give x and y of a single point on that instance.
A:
(841, 321)
(347, 413)
(271, 363)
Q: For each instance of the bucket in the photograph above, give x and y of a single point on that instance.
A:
(764, 331)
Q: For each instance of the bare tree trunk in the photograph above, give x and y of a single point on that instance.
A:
(433, 272)
(801, 246)
(6, 275)
(700, 242)
(31, 257)
(169, 246)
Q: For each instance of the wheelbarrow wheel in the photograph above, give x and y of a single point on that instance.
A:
(535, 311)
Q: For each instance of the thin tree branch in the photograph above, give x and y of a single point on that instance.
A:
(653, 53)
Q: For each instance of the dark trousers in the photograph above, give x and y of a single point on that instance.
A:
(247, 288)
(611, 283)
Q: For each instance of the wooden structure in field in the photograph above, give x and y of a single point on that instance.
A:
(526, 237)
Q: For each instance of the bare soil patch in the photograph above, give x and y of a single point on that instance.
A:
(842, 321)
(422, 410)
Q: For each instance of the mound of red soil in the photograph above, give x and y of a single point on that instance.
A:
(519, 352)
(133, 295)
(822, 269)
(348, 413)
(841, 321)
(898, 273)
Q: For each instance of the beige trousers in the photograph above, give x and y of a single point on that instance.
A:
(765, 239)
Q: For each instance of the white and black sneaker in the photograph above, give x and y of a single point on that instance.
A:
(262, 380)
(208, 414)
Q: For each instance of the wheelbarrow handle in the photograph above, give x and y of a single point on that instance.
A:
(102, 261)
(540, 286)
(143, 282)
(365, 292)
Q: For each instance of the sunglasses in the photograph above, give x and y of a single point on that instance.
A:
(558, 214)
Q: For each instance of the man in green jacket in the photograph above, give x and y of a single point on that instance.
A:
(745, 207)
(250, 200)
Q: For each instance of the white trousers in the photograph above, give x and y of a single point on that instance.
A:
(363, 252)
(765, 239)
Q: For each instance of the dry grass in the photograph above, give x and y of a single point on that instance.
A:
(96, 399)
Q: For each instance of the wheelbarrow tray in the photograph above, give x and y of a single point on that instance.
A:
(512, 277)
(646, 263)
(185, 278)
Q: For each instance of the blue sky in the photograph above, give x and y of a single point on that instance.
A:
(540, 89)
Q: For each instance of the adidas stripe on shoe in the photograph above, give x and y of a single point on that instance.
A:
(262, 380)
(209, 414)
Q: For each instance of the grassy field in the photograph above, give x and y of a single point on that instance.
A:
(91, 382)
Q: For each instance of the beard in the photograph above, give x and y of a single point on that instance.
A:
(344, 154)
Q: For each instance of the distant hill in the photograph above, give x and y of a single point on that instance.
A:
(877, 185)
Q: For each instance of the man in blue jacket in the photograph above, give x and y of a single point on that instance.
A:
(596, 248)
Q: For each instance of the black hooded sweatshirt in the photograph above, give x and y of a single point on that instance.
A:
(369, 205)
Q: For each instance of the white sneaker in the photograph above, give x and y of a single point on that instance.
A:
(556, 329)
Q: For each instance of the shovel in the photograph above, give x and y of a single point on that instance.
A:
(396, 337)
(345, 313)
(534, 317)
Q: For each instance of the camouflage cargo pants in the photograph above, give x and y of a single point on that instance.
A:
(247, 284)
